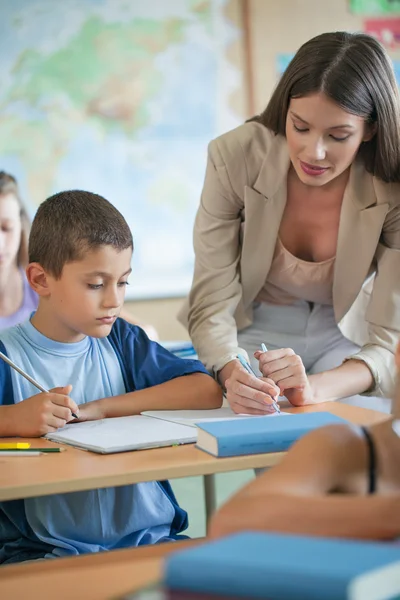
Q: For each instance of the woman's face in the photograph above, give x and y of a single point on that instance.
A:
(323, 139)
(10, 230)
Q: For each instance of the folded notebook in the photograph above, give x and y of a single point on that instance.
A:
(255, 436)
(286, 567)
(107, 436)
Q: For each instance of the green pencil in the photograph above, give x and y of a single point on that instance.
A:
(32, 450)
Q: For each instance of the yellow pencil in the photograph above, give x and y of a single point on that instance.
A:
(15, 446)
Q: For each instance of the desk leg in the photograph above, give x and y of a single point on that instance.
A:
(210, 496)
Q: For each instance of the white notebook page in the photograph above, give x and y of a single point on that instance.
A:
(123, 433)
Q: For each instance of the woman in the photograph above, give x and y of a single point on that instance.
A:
(17, 299)
(297, 238)
(341, 481)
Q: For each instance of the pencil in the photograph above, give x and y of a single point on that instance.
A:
(274, 402)
(41, 450)
(20, 453)
(15, 446)
(28, 377)
(248, 368)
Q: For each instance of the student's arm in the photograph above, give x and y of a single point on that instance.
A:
(195, 391)
(155, 379)
(297, 495)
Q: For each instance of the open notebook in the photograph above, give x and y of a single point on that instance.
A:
(120, 434)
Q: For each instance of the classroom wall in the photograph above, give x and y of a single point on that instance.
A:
(274, 27)
(282, 27)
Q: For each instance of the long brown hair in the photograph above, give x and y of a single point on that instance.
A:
(9, 185)
(354, 70)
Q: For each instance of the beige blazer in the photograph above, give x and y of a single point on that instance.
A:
(235, 233)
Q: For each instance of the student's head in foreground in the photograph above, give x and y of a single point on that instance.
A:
(80, 251)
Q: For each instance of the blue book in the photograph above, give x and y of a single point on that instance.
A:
(287, 567)
(259, 434)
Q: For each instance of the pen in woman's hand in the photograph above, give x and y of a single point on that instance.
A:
(249, 369)
(275, 404)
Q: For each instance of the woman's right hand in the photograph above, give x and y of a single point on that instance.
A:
(246, 393)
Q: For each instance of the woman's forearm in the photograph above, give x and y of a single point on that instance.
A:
(351, 378)
(366, 517)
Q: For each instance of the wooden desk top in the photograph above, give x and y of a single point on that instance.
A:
(77, 470)
(92, 577)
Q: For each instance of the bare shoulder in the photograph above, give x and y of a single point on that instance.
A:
(323, 460)
(331, 440)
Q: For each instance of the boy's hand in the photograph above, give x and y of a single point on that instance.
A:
(90, 411)
(44, 413)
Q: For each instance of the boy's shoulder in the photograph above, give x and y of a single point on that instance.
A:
(144, 362)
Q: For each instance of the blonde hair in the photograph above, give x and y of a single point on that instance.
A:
(9, 185)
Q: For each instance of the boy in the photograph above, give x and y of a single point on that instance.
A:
(339, 481)
(80, 252)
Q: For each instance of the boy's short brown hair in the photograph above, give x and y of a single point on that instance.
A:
(69, 224)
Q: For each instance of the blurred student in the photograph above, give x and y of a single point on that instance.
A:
(17, 298)
(339, 481)
(80, 252)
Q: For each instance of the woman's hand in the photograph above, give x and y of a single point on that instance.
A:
(286, 369)
(247, 393)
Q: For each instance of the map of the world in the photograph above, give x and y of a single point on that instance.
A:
(120, 97)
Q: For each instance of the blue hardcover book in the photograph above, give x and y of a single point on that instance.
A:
(287, 567)
(258, 435)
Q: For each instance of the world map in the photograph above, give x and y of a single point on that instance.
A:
(120, 97)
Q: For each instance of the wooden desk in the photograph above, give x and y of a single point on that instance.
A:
(111, 574)
(77, 470)
(92, 577)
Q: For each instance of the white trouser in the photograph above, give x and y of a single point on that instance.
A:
(311, 331)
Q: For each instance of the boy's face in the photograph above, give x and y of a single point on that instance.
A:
(87, 298)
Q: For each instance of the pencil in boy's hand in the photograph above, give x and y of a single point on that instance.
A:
(28, 377)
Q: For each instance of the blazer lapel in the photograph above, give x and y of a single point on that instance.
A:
(361, 222)
(264, 204)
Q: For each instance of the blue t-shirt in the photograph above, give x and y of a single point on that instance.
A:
(97, 520)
